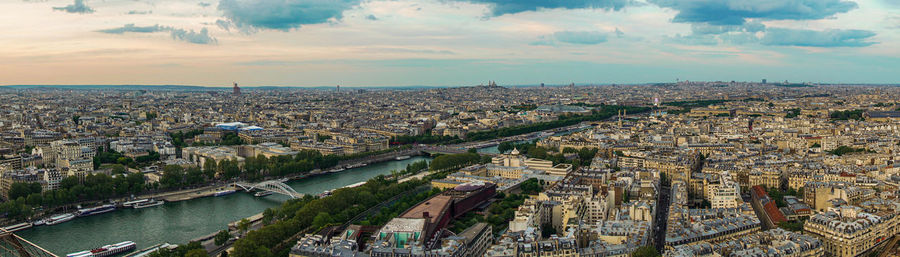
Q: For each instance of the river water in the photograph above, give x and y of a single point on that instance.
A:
(179, 222)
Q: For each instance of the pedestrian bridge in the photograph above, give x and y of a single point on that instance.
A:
(274, 186)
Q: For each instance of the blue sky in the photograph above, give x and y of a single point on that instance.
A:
(446, 42)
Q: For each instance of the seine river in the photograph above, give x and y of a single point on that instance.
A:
(179, 222)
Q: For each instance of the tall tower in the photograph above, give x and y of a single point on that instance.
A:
(236, 90)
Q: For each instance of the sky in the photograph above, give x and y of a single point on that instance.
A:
(446, 42)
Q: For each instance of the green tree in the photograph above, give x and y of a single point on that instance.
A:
(197, 253)
(321, 220)
(645, 251)
(222, 237)
(172, 177)
(243, 225)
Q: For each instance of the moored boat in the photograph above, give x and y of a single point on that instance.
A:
(224, 192)
(95, 210)
(56, 219)
(106, 250)
(262, 193)
(150, 203)
(132, 203)
(404, 157)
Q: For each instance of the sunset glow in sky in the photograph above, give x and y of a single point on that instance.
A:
(446, 42)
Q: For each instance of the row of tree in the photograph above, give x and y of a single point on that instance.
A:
(24, 197)
(455, 161)
(426, 138)
(600, 113)
(310, 214)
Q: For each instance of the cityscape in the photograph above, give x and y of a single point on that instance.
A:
(672, 169)
(450, 128)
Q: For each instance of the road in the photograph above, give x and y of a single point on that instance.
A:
(662, 216)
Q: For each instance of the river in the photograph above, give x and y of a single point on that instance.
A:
(180, 222)
(495, 149)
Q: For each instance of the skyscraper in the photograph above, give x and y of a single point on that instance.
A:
(237, 90)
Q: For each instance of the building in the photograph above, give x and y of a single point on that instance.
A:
(727, 194)
(849, 231)
(17, 176)
(417, 230)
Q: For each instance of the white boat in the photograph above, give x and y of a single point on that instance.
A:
(58, 219)
(38, 223)
(150, 203)
(262, 193)
(106, 250)
(18, 227)
(336, 170)
(96, 210)
(224, 192)
(131, 203)
(404, 157)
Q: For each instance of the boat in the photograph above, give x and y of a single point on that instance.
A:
(131, 203)
(38, 223)
(106, 250)
(95, 210)
(262, 193)
(404, 157)
(149, 203)
(336, 170)
(58, 219)
(352, 166)
(326, 193)
(18, 227)
(224, 192)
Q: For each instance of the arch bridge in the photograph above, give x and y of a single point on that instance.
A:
(274, 186)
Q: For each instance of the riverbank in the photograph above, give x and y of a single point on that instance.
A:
(183, 221)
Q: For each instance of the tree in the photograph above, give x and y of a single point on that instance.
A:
(172, 177)
(210, 168)
(222, 237)
(197, 253)
(645, 251)
(321, 220)
(20, 189)
(244, 225)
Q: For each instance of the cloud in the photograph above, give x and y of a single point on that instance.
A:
(134, 12)
(283, 14)
(694, 39)
(816, 38)
(573, 37)
(736, 12)
(77, 7)
(189, 36)
(707, 29)
(619, 33)
(223, 24)
(501, 7)
(580, 37)
(371, 17)
(204, 4)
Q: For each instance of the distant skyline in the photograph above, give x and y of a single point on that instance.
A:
(356, 43)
